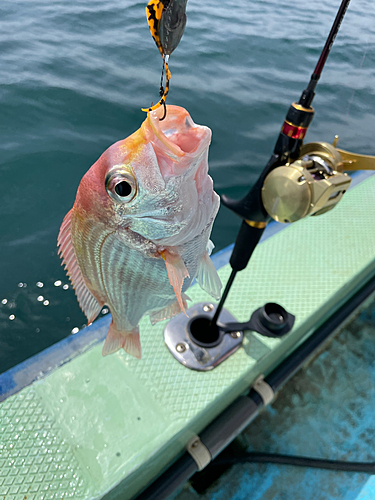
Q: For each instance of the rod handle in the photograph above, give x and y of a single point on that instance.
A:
(246, 241)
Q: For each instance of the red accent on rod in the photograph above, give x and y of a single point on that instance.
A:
(293, 131)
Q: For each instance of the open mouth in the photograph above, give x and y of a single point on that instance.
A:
(178, 132)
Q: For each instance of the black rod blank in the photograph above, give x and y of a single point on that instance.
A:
(308, 94)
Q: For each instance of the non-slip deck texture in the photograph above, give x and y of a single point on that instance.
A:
(35, 461)
(326, 411)
(123, 420)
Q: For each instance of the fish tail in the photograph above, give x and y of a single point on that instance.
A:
(128, 340)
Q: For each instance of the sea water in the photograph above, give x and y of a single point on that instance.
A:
(73, 77)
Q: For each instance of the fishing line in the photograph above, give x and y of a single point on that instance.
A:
(161, 80)
(161, 92)
(355, 90)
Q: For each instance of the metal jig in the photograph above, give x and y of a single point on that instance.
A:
(166, 20)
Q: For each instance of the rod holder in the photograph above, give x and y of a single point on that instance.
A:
(200, 345)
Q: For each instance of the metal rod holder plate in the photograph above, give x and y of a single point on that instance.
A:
(188, 353)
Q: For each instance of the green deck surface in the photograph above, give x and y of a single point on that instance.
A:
(96, 422)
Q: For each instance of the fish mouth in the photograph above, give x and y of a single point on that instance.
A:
(187, 202)
(177, 131)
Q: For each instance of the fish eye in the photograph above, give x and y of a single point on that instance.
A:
(123, 189)
(121, 186)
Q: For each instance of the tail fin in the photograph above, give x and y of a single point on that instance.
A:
(129, 341)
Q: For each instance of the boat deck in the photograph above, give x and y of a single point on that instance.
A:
(326, 411)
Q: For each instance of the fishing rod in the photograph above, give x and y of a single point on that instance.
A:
(253, 207)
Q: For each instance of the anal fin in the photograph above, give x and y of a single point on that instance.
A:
(169, 311)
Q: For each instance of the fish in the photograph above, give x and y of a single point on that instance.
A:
(139, 230)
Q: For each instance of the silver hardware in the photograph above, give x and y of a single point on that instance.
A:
(193, 356)
(235, 335)
(208, 307)
(180, 347)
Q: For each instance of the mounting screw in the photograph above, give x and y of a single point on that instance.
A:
(180, 347)
(208, 307)
(195, 444)
(235, 335)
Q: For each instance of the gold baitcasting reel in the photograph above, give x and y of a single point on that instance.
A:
(313, 184)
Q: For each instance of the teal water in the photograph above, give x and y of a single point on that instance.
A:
(73, 77)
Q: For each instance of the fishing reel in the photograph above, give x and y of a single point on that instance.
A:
(311, 185)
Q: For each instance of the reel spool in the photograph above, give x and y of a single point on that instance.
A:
(312, 185)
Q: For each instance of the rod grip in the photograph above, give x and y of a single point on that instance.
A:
(246, 241)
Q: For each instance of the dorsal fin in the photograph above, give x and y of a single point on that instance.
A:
(86, 300)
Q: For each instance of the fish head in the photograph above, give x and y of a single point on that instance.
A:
(155, 183)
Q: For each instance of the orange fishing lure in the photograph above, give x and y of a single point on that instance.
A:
(166, 20)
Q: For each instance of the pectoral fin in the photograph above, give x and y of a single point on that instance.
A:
(177, 272)
(208, 278)
(129, 341)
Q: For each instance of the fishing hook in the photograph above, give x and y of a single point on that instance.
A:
(165, 112)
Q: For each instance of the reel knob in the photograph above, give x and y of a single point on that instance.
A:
(286, 194)
(309, 186)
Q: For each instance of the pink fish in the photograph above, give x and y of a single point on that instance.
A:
(139, 230)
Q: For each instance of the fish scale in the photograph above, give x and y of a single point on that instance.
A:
(132, 278)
